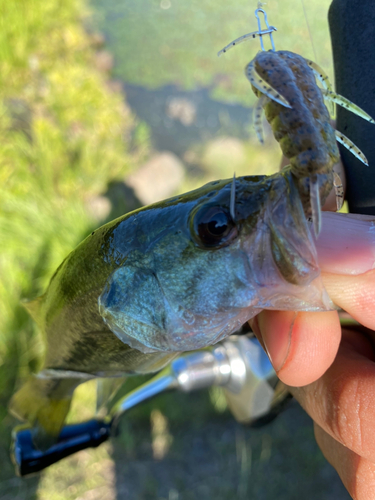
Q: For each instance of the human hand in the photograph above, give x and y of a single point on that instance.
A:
(331, 370)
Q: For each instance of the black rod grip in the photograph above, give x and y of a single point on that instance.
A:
(352, 27)
(73, 438)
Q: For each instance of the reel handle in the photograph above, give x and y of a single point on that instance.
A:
(28, 460)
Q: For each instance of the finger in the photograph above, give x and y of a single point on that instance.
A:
(346, 255)
(342, 401)
(357, 473)
(346, 243)
(302, 353)
(301, 346)
(354, 294)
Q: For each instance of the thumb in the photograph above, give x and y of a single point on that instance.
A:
(301, 346)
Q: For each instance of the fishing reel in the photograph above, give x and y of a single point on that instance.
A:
(238, 365)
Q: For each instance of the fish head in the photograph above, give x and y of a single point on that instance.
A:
(208, 261)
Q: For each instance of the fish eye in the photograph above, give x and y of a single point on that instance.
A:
(213, 226)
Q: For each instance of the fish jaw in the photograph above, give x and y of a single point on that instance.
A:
(173, 308)
(282, 253)
(181, 295)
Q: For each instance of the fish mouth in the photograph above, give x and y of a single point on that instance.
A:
(281, 254)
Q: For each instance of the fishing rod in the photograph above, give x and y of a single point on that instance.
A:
(353, 39)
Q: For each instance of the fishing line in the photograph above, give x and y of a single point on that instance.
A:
(309, 30)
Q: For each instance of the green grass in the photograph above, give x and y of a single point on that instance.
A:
(62, 140)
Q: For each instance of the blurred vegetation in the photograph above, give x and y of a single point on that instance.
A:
(64, 136)
(157, 42)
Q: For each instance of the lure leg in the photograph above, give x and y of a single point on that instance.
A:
(342, 139)
(322, 76)
(260, 84)
(339, 190)
(258, 117)
(243, 38)
(345, 103)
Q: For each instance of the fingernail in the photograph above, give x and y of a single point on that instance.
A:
(254, 325)
(277, 335)
(346, 244)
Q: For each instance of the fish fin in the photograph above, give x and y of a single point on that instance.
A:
(44, 403)
(34, 308)
(106, 390)
(232, 208)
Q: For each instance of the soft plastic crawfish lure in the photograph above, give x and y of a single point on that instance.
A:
(294, 106)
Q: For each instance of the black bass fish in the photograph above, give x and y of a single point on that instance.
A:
(175, 276)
